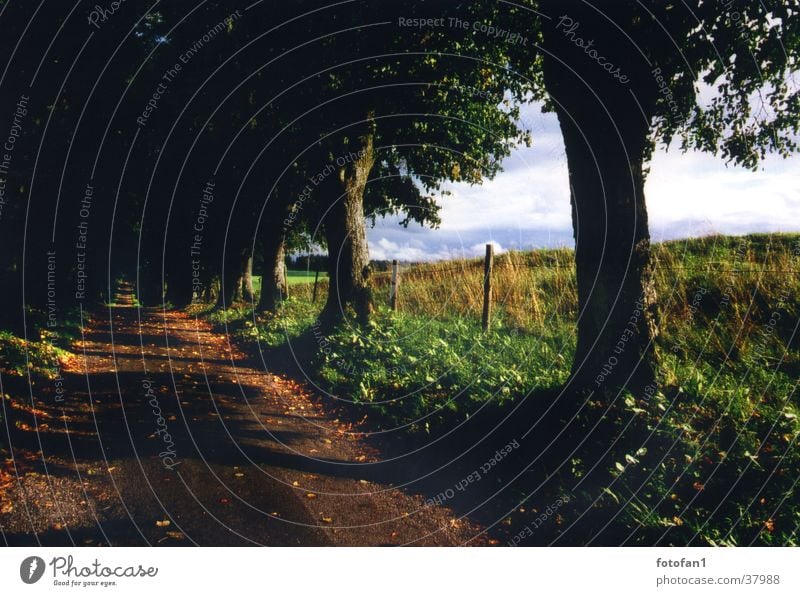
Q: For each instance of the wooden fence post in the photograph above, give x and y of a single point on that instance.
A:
(395, 286)
(487, 286)
(316, 281)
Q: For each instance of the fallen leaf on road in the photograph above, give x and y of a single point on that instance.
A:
(327, 520)
(311, 496)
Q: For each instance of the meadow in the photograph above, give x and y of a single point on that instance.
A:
(711, 458)
(721, 431)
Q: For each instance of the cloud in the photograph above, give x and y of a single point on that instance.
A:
(527, 205)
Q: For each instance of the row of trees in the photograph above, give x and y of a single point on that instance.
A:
(217, 136)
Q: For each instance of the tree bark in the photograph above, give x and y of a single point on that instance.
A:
(248, 294)
(230, 287)
(346, 236)
(606, 137)
(616, 295)
(210, 289)
(273, 281)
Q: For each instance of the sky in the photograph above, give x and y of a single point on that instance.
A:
(527, 205)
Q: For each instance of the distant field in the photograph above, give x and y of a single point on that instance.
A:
(711, 458)
(295, 278)
(303, 277)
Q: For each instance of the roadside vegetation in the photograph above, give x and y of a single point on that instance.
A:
(723, 419)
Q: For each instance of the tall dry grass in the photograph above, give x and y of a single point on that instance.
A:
(740, 282)
(528, 288)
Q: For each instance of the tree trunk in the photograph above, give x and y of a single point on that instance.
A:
(150, 290)
(179, 288)
(346, 236)
(230, 287)
(616, 296)
(211, 289)
(606, 136)
(248, 294)
(273, 280)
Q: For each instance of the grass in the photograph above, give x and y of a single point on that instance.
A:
(303, 277)
(712, 456)
(44, 351)
(299, 279)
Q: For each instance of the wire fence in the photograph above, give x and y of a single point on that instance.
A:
(527, 288)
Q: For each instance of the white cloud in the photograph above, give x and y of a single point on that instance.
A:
(527, 205)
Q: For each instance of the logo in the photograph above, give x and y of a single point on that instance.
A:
(31, 569)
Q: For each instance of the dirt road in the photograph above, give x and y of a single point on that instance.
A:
(167, 435)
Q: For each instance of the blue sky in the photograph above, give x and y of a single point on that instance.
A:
(527, 205)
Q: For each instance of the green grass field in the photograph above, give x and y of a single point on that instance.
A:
(303, 277)
(294, 278)
(711, 457)
(729, 367)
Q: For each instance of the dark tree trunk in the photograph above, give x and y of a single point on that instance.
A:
(211, 290)
(179, 289)
(273, 281)
(606, 136)
(230, 287)
(616, 297)
(346, 236)
(149, 290)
